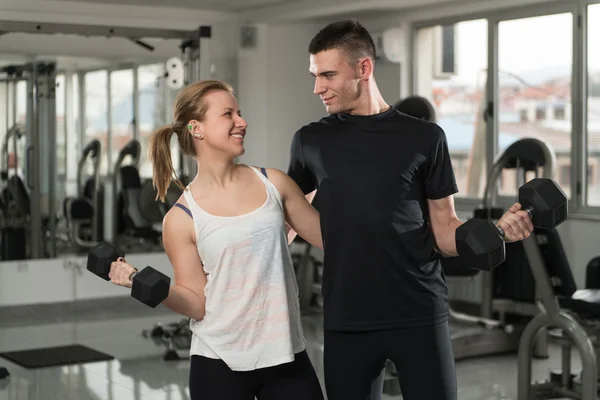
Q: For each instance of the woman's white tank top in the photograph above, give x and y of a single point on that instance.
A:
(252, 315)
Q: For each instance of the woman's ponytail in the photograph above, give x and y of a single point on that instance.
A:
(159, 154)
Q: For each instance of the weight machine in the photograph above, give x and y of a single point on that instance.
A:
(14, 200)
(40, 155)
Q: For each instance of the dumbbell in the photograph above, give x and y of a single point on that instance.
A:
(482, 243)
(149, 286)
(545, 201)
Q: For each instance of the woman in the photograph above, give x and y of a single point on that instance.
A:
(227, 243)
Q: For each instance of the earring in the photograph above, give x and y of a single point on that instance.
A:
(198, 136)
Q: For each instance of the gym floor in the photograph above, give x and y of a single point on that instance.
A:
(139, 371)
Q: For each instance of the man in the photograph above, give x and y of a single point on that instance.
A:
(385, 194)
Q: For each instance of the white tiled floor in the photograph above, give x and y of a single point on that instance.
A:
(139, 372)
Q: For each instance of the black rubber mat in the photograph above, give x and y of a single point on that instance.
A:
(55, 356)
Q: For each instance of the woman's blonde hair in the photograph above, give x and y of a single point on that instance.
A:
(190, 104)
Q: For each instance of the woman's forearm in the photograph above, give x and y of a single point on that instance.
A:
(185, 302)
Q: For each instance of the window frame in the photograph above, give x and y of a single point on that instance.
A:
(578, 207)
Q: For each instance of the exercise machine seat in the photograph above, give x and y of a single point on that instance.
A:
(134, 221)
(417, 107)
(80, 208)
(19, 193)
(584, 302)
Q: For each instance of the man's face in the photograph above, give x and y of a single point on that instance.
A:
(336, 81)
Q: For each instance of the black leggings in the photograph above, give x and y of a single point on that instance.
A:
(212, 379)
(422, 356)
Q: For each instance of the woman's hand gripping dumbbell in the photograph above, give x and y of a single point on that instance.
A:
(149, 286)
(121, 273)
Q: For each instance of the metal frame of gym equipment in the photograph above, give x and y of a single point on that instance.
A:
(12, 216)
(483, 335)
(124, 242)
(573, 330)
(40, 159)
(93, 151)
(41, 114)
(135, 156)
(551, 314)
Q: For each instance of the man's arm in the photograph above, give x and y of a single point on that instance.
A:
(300, 173)
(300, 215)
(291, 234)
(515, 223)
(443, 222)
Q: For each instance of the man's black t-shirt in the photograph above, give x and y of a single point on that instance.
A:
(373, 176)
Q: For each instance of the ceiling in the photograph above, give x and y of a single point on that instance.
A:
(212, 5)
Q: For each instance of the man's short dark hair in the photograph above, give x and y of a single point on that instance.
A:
(346, 35)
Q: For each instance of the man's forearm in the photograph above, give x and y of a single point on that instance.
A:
(185, 302)
(291, 234)
(446, 239)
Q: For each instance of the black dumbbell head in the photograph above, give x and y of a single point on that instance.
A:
(546, 201)
(480, 244)
(150, 286)
(99, 259)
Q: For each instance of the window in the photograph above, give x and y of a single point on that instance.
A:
(13, 108)
(121, 100)
(451, 65)
(96, 113)
(535, 58)
(61, 144)
(74, 147)
(593, 103)
(61, 159)
(151, 109)
(560, 112)
(21, 118)
(540, 113)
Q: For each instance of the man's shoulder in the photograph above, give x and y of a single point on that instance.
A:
(319, 126)
(428, 131)
(416, 123)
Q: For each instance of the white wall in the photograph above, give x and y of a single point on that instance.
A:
(388, 78)
(275, 92)
(61, 280)
(223, 52)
